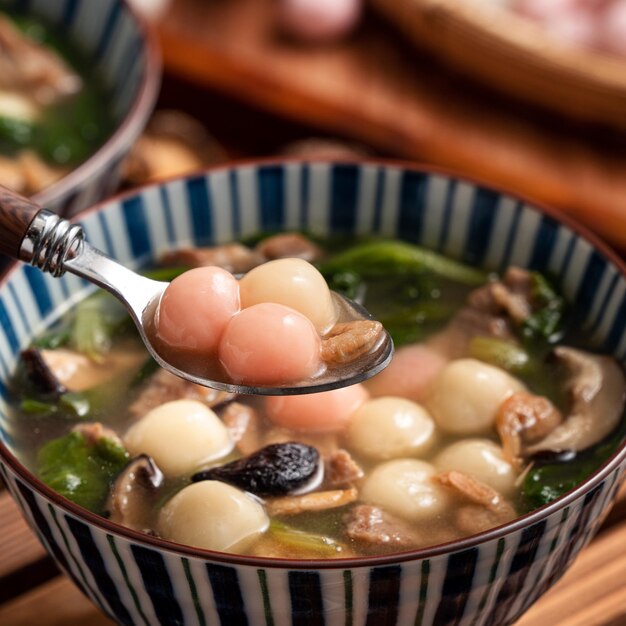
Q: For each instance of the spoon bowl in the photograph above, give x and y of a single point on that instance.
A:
(52, 244)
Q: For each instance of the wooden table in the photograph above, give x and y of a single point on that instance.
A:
(255, 91)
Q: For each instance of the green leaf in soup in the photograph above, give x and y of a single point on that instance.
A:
(547, 481)
(69, 406)
(547, 321)
(97, 319)
(165, 274)
(504, 354)
(380, 258)
(303, 541)
(81, 471)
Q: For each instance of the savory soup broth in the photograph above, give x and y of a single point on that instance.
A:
(432, 315)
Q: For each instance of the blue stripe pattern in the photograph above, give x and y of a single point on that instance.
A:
(227, 593)
(200, 207)
(157, 582)
(481, 224)
(136, 223)
(271, 198)
(477, 586)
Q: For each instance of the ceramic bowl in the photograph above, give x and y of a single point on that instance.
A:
(486, 579)
(120, 47)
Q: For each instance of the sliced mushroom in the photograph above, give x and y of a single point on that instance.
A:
(134, 492)
(524, 419)
(41, 374)
(597, 389)
(275, 470)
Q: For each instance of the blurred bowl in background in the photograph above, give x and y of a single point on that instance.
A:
(121, 50)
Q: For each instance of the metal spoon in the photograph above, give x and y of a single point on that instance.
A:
(54, 245)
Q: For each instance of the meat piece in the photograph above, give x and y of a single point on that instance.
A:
(232, 257)
(32, 68)
(317, 501)
(289, 245)
(78, 372)
(164, 387)
(471, 519)
(373, 526)
(342, 470)
(94, 431)
(349, 341)
(486, 507)
(493, 310)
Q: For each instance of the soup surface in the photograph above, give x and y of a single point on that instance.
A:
(492, 406)
(53, 105)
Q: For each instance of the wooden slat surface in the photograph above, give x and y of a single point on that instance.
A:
(376, 89)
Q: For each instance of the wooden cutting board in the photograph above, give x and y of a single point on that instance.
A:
(376, 88)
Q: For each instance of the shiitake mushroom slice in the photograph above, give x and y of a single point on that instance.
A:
(276, 470)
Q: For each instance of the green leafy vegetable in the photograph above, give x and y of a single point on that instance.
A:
(547, 320)
(416, 322)
(305, 541)
(70, 405)
(548, 481)
(96, 321)
(82, 471)
(500, 353)
(380, 258)
(165, 274)
(54, 339)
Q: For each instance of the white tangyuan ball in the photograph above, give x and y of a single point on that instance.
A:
(390, 428)
(405, 488)
(466, 396)
(294, 283)
(213, 515)
(482, 459)
(179, 436)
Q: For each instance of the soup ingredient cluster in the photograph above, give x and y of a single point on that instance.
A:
(264, 329)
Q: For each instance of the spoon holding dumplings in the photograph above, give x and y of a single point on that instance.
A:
(354, 349)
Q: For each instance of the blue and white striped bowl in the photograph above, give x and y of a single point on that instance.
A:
(119, 46)
(487, 579)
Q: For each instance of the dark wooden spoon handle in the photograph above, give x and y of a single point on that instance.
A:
(16, 215)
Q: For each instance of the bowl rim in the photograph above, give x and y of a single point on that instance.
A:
(131, 126)
(457, 545)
